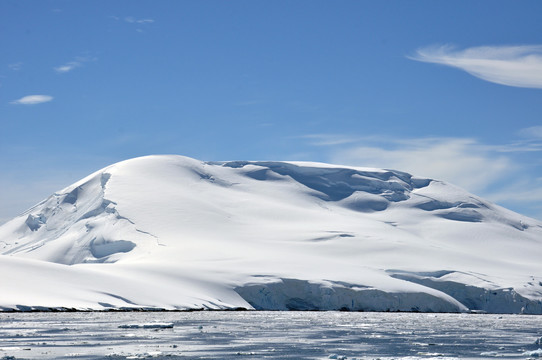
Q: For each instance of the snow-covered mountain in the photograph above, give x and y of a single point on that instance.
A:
(171, 232)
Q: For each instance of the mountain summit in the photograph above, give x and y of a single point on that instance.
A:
(170, 232)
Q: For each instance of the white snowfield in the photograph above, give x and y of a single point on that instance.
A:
(170, 232)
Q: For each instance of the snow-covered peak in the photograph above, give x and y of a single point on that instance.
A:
(283, 228)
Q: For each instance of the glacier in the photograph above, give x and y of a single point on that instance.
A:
(168, 232)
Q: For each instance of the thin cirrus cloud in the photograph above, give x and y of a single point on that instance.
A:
(505, 173)
(133, 20)
(130, 19)
(16, 66)
(462, 161)
(329, 139)
(70, 65)
(67, 67)
(519, 66)
(32, 100)
(136, 21)
(533, 132)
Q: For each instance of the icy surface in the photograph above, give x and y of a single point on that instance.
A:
(170, 232)
(268, 335)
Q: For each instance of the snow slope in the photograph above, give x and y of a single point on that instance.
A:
(170, 232)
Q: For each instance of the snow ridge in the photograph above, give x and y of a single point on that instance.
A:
(76, 225)
(170, 232)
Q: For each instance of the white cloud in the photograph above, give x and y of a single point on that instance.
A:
(136, 21)
(67, 67)
(462, 162)
(132, 20)
(508, 174)
(519, 66)
(533, 132)
(16, 66)
(523, 194)
(32, 100)
(531, 141)
(329, 139)
(77, 62)
(527, 193)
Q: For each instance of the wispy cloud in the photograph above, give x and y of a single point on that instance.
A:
(519, 66)
(135, 21)
(16, 66)
(531, 141)
(533, 132)
(32, 100)
(77, 62)
(461, 161)
(67, 67)
(505, 173)
(329, 139)
(132, 20)
(526, 194)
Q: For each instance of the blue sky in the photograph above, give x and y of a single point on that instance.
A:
(444, 89)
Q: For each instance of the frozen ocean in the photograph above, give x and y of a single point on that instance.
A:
(268, 335)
